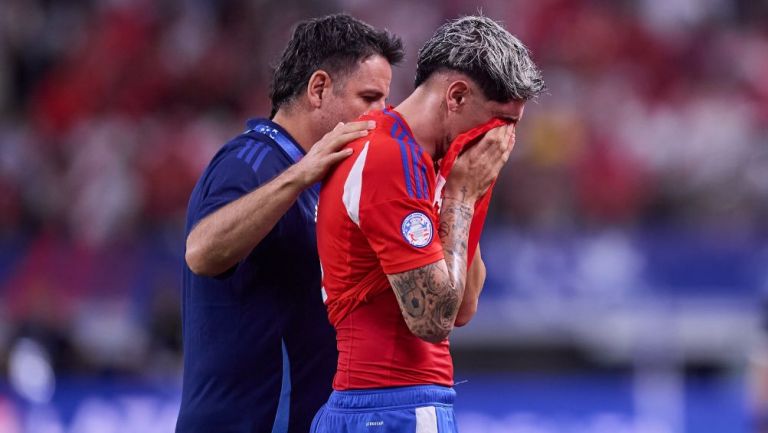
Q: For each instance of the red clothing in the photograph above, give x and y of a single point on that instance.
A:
(376, 216)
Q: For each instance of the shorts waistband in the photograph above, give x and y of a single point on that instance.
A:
(388, 397)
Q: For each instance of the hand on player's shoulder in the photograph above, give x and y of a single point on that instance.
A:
(330, 149)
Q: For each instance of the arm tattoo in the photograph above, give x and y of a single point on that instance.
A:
(430, 296)
(455, 220)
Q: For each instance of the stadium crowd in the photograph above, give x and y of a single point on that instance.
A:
(656, 115)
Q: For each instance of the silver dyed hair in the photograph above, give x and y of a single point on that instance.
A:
(479, 47)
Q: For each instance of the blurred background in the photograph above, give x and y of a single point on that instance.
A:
(627, 244)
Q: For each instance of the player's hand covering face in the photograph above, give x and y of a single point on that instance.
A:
(468, 108)
(330, 149)
(477, 167)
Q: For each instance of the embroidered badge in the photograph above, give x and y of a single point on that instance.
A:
(417, 229)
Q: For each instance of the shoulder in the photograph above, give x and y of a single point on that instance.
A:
(391, 156)
(382, 151)
(245, 155)
(241, 165)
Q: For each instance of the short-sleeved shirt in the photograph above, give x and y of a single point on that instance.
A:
(377, 217)
(259, 353)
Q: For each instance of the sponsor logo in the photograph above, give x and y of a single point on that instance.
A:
(374, 423)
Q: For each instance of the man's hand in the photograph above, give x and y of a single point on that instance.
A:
(475, 169)
(328, 151)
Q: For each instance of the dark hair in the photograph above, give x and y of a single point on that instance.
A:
(335, 43)
(483, 50)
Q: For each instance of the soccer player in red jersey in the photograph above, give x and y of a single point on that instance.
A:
(395, 272)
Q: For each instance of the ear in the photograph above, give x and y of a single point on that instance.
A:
(456, 95)
(317, 87)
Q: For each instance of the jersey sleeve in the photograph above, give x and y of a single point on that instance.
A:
(235, 172)
(396, 214)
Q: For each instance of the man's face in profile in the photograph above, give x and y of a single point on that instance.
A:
(363, 89)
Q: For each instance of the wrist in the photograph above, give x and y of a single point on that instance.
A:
(461, 194)
(297, 178)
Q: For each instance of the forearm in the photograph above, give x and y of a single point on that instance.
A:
(430, 296)
(475, 281)
(228, 235)
(444, 282)
(455, 220)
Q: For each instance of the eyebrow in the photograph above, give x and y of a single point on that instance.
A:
(372, 92)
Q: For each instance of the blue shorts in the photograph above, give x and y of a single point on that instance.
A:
(410, 409)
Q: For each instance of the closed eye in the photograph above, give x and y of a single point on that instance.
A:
(372, 97)
(511, 120)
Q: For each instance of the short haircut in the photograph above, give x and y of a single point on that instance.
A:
(334, 43)
(483, 50)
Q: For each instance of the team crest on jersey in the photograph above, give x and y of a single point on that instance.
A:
(417, 229)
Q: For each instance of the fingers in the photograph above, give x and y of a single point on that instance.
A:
(326, 162)
(491, 145)
(361, 125)
(494, 150)
(509, 143)
(481, 164)
(335, 157)
(341, 140)
(343, 133)
(322, 162)
(501, 142)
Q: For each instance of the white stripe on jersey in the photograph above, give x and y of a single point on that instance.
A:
(353, 187)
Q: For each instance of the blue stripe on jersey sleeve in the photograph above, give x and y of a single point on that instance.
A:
(404, 157)
(244, 149)
(259, 158)
(424, 179)
(420, 181)
(253, 150)
(421, 191)
(231, 174)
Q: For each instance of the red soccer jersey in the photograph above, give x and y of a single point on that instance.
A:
(376, 216)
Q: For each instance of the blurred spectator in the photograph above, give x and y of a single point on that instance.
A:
(657, 116)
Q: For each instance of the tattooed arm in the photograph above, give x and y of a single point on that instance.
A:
(430, 296)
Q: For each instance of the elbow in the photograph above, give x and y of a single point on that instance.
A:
(466, 313)
(198, 261)
(434, 334)
(195, 263)
(434, 337)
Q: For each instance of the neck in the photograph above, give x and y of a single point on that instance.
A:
(298, 125)
(421, 110)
